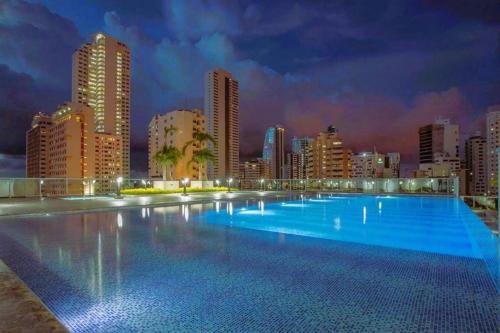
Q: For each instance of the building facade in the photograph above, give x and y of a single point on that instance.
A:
(108, 161)
(492, 143)
(101, 80)
(475, 164)
(439, 149)
(71, 148)
(375, 165)
(255, 169)
(393, 165)
(368, 165)
(222, 110)
(186, 122)
(328, 158)
(36, 146)
(298, 159)
(273, 151)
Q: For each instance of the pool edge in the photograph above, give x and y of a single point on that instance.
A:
(22, 309)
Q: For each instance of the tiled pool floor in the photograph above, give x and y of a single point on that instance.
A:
(155, 270)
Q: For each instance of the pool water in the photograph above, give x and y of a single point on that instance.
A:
(320, 263)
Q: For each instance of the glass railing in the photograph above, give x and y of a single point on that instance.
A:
(486, 207)
(58, 187)
(356, 185)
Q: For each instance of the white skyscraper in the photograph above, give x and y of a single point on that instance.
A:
(492, 143)
(222, 111)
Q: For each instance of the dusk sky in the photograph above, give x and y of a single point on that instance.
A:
(377, 70)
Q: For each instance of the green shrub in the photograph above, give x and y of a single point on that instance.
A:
(149, 191)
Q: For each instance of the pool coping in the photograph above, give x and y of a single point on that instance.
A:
(21, 310)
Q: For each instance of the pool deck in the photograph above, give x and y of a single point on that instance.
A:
(27, 206)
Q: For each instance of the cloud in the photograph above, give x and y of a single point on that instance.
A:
(37, 42)
(195, 19)
(20, 97)
(12, 165)
(384, 122)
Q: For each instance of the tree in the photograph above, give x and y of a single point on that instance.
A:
(168, 155)
(201, 155)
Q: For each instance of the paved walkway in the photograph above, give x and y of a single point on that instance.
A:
(21, 206)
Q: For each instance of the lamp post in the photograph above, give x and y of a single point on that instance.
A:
(119, 181)
(262, 184)
(217, 183)
(229, 181)
(184, 184)
(144, 183)
(41, 183)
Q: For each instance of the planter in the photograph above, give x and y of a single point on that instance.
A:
(202, 183)
(166, 184)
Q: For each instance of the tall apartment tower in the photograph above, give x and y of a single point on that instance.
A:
(187, 122)
(36, 146)
(298, 159)
(222, 110)
(439, 148)
(492, 143)
(393, 164)
(475, 163)
(328, 158)
(273, 151)
(101, 80)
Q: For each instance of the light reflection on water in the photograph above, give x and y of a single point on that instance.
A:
(107, 251)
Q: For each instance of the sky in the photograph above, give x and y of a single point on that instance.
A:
(376, 70)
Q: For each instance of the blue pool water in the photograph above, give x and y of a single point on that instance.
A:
(328, 263)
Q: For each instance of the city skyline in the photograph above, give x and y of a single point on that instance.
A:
(345, 83)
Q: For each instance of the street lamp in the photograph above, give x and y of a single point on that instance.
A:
(119, 181)
(184, 184)
(41, 183)
(262, 184)
(144, 183)
(217, 183)
(229, 181)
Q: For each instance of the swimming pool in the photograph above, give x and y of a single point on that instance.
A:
(318, 263)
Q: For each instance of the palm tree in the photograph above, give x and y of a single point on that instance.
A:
(168, 156)
(202, 155)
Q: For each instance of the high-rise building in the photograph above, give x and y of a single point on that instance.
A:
(273, 151)
(492, 143)
(298, 159)
(186, 123)
(295, 166)
(65, 146)
(101, 80)
(375, 165)
(254, 169)
(36, 146)
(439, 149)
(393, 165)
(475, 164)
(222, 110)
(368, 165)
(71, 147)
(108, 161)
(328, 158)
